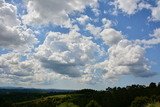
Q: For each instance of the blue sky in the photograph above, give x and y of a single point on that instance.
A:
(79, 44)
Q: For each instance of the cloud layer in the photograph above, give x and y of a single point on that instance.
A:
(90, 51)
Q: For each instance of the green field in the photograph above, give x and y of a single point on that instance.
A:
(157, 104)
(49, 101)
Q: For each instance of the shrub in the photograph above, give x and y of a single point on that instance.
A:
(140, 102)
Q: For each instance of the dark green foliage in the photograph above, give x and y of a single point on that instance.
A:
(140, 102)
(152, 85)
(159, 84)
(144, 101)
(135, 95)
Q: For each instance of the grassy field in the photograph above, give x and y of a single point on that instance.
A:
(49, 101)
(157, 104)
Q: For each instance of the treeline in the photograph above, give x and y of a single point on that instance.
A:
(129, 96)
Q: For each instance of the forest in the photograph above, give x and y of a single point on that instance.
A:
(129, 96)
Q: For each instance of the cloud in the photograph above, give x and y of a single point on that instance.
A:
(111, 36)
(96, 11)
(106, 23)
(149, 42)
(39, 11)
(153, 41)
(29, 71)
(129, 6)
(144, 5)
(132, 6)
(93, 30)
(155, 12)
(156, 33)
(12, 35)
(126, 58)
(12, 69)
(70, 69)
(68, 54)
(128, 27)
(83, 19)
(8, 14)
(16, 38)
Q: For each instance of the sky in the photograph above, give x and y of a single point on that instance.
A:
(76, 44)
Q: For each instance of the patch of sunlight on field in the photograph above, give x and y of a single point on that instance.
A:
(154, 105)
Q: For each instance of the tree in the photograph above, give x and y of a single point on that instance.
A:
(159, 84)
(152, 85)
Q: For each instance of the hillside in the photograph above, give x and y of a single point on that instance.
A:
(130, 96)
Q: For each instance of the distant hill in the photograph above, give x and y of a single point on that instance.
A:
(23, 89)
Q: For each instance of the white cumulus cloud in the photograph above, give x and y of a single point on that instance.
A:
(12, 35)
(53, 11)
(68, 54)
(156, 11)
(127, 6)
(126, 58)
(111, 36)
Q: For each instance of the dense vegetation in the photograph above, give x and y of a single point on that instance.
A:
(130, 96)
